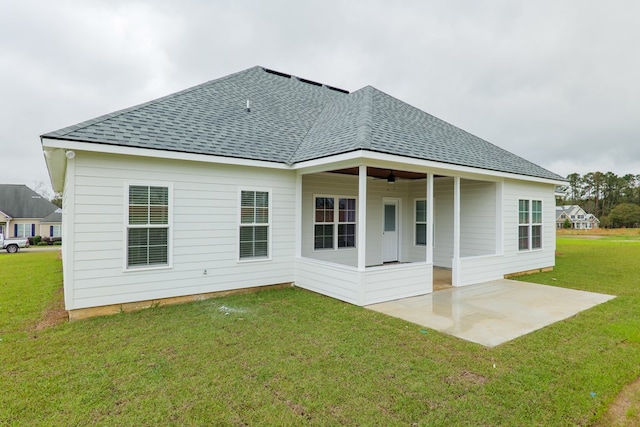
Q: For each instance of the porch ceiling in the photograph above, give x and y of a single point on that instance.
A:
(382, 173)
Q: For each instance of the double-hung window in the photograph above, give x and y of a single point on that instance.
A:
(254, 224)
(148, 226)
(24, 230)
(55, 231)
(421, 222)
(334, 222)
(529, 224)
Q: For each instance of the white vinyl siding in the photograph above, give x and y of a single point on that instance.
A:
(515, 260)
(478, 225)
(443, 222)
(205, 204)
(204, 210)
(148, 226)
(254, 224)
(477, 218)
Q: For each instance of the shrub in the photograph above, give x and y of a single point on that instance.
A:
(42, 244)
(36, 240)
(51, 240)
(57, 243)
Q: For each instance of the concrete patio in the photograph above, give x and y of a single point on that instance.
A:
(494, 312)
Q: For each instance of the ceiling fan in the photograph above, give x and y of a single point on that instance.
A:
(390, 178)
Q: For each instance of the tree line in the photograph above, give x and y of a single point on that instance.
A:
(613, 199)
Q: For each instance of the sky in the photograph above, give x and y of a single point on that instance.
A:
(555, 82)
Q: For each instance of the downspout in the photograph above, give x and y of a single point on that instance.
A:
(68, 219)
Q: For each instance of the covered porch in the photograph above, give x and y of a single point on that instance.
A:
(373, 233)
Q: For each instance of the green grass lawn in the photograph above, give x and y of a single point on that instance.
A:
(292, 357)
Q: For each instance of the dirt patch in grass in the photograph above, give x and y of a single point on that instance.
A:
(54, 314)
(625, 409)
(467, 378)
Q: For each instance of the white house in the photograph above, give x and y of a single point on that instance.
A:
(262, 178)
(579, 218)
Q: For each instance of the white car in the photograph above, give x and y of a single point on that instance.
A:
(13, 245)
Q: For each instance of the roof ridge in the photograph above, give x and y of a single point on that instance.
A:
(330, 102)
(294, 152)
(69, 129)
(366, 116)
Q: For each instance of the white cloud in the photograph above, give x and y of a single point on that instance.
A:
(554, 82)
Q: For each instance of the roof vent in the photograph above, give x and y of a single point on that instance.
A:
(277, 73)
(248, 106)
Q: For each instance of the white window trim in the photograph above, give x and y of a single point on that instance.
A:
(269, 225)
(336, 222)
(415, 222)
(530, 225)
(28, 233)
(125, 222)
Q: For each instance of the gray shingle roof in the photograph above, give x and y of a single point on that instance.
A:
(19, 201)
(55, 216)
(292, 120)
(212, 119)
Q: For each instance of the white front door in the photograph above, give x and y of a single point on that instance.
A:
(390, 231)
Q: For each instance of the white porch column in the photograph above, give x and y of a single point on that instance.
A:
(430, 218)
(362, 218)
(499, 219)
(455, 264)
(298, 212)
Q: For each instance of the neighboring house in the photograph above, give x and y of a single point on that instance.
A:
(51, 225)
(25, 213)
(580, 219)
(262, 178)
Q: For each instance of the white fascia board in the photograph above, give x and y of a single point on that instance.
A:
(326, 164)
(159, 154)
(6, 215)
(386, 161)
(354, 158)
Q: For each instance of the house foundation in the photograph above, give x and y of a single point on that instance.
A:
(105, 310)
